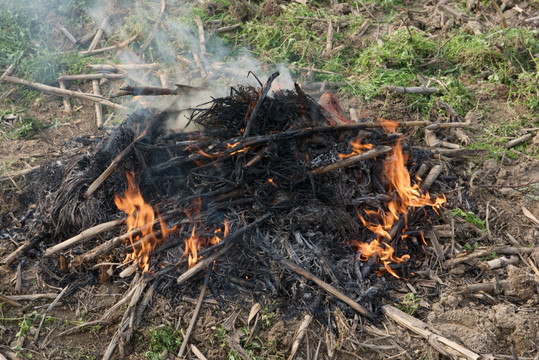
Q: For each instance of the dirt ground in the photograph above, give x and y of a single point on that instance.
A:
(498, 321)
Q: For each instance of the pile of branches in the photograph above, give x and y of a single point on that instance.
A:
(269, 165)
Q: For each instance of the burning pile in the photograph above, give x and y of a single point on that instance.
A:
(264, 177)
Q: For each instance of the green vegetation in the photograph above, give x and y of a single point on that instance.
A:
(470, 217)
(160, 339)
(409, 304)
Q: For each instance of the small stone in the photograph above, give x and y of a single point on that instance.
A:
(452, 301)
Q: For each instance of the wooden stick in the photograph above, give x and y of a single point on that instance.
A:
(67, 105)
(195, 314)
(501, 262)
(474, 288)
(68, 35)
(24, 247)
(200, 65)
(130, 75)
(203, 263)
(59, 92)
(89, 77)
(259, 102)
(98, 107)
(152, 33)
(517, 141)
(32, 297)
(329, 38)
(450, 125)
(226, 29)
(122, 67)
(451, 348)
(198, 353)
(83, 236)
(300, 333)
(352, 160)
(119, 46)
(325, 286)
(56, 299)
(8, 300)
(18, 173)
(506, 250)
(98, 34)
(412, 90)
(201, 36)
(152, 125)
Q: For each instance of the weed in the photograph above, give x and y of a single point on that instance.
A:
(161, 339)
(409, 304)
(470, 217)
(491, 256)
(468, 247)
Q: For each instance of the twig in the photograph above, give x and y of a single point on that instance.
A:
(329, 39)
(18, 173)
(67, 105)
(474, 288)
(413, 90)
(259, 102)
(46, 311)
(83, 236)
(59, 92)
(198, 353)
(501, 262)
(8, 300)
(98, 107)
(68, 35)
(119, 46)
(23, 248)
(500, 14)
(122, 67)
(352, 160)
(450, 125)
(506, 250)
(152, 33)
(226, 29)
(201, 36)
(98, 35)
(419, 327)
(89, 77)
(195, 314)
(300, 333)
(515, 142)
(32, 297)
(203, 263)
(325, 286)
(200, 65)
(535, 18)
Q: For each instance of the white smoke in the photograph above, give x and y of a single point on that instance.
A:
(175, 38)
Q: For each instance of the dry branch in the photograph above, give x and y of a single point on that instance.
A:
(83, 236)
(506, 250)
(201, 35)
(119, 46)
(412, 90)
(98, 35)
(152, 33)
(203, 263)
(68, 35)
(451, 348)
(515, 142)
(447, 125)
(98, 107)
(89, 77)
(195, 314)
(259, 102)
(8, 300)
(67, 105)
(300, 333)
(122, 67)
(352, 160)
(47, 311)
(59, 92)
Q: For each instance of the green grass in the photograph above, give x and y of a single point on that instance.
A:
(158, 340)
(470, 217)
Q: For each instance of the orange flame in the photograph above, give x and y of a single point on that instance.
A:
(357, 147)
(195, 242)
(404, 195)
(140, 215)
(389, 125)
(230, 146)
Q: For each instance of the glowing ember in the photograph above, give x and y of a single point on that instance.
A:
(404, 195)
(357, 147)
(140, 215)
(230, 146)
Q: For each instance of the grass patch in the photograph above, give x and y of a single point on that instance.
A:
(470, 217)
(158, 340)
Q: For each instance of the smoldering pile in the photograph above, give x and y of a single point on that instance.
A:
(262, 185)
